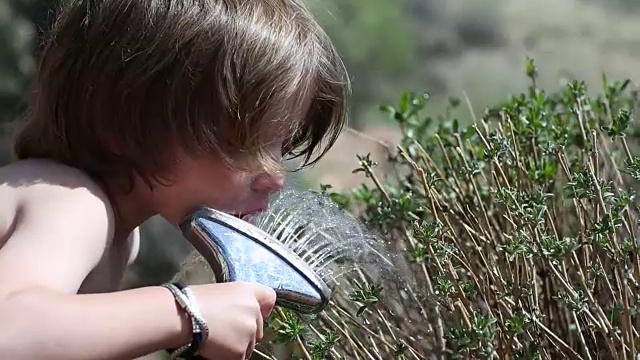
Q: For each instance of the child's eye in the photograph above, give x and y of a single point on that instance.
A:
(286, 148)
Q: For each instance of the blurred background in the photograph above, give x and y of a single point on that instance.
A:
(452, 48)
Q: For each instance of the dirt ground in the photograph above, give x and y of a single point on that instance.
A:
(337, 165)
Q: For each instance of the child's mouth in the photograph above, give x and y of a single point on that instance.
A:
(242, 216)
(246, 215)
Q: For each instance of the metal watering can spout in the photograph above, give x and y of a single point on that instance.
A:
(239, 251)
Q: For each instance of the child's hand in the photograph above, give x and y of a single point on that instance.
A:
(235, 314)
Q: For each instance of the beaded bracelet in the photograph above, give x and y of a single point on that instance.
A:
(188, 303)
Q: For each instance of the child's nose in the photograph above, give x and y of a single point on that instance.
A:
(268, 183)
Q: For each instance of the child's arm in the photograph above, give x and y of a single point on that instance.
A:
(45, 324)
(60, 233)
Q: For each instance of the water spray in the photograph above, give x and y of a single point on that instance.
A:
(298, 247)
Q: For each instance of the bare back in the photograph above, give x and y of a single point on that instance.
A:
(56, 229)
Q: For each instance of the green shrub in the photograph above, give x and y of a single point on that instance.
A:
(519, 232)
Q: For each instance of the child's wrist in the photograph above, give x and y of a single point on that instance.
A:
(181, 330)
(188, 307)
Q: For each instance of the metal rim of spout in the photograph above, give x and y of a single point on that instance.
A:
(264, 239)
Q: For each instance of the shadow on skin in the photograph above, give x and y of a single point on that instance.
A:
(41, 171)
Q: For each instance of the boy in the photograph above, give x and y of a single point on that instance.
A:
(145, 107)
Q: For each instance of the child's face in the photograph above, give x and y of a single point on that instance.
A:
(205, 180)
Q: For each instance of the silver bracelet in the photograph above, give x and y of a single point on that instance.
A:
(202, 325)
(188, 303)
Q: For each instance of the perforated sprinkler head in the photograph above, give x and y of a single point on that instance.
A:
(236, 250)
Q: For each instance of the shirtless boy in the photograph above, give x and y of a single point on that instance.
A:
(145, 107)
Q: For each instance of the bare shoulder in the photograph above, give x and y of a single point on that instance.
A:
(43, 174)
(55, 226)
(36, 184)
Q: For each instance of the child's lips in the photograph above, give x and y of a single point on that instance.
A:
(244, 214)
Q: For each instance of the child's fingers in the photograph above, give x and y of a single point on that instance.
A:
(260, 328)
(266, 298)
(252, 346)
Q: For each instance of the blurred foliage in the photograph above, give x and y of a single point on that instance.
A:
(622, 5)
(374, 38)
(382, 42)
(16, 57)
(21, 24)
(389, 45)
